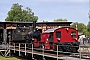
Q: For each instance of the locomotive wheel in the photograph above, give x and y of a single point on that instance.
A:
(67, 48)
(74, 50)
(29, 45)
(64, 49)
(60, 48)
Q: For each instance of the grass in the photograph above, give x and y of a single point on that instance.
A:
(10, 58)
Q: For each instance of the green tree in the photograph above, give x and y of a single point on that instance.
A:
(18, 14)
(60, 20)
(80, 26)
(88, 29)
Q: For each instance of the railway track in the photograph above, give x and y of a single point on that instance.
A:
(47, 53)
(38, 52)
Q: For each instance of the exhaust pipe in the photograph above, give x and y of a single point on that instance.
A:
(34, 25)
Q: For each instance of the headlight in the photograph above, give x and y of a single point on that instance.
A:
(76, 38)
(58, 38)
(47, 39)
(32, 38)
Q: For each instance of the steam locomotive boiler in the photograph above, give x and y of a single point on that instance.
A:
(20, 34)
(65, 37)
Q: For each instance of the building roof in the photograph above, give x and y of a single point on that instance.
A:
(36, 22)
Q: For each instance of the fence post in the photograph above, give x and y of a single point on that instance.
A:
(57, 52)
(19, 49)
(14, 47)
(9, 50)
(25, 49)
(43, 51)
(89, 51)
(80, 51)
(32, 51)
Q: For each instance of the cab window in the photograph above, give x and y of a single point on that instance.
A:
(58, 34)
(73, 34)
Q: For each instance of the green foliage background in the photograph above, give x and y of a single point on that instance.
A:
(18, 14)
(81, 27)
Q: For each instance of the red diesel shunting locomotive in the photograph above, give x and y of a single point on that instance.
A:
(65, 37)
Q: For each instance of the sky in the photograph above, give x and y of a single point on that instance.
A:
(49, 10)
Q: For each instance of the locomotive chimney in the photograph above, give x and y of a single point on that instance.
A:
(34, 25)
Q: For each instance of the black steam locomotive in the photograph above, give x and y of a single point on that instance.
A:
(21, 34)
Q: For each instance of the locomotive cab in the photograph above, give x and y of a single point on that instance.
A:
(68, 39)
(65, 37)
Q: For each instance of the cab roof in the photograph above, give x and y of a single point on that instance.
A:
(53, 29)
(50, 30)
